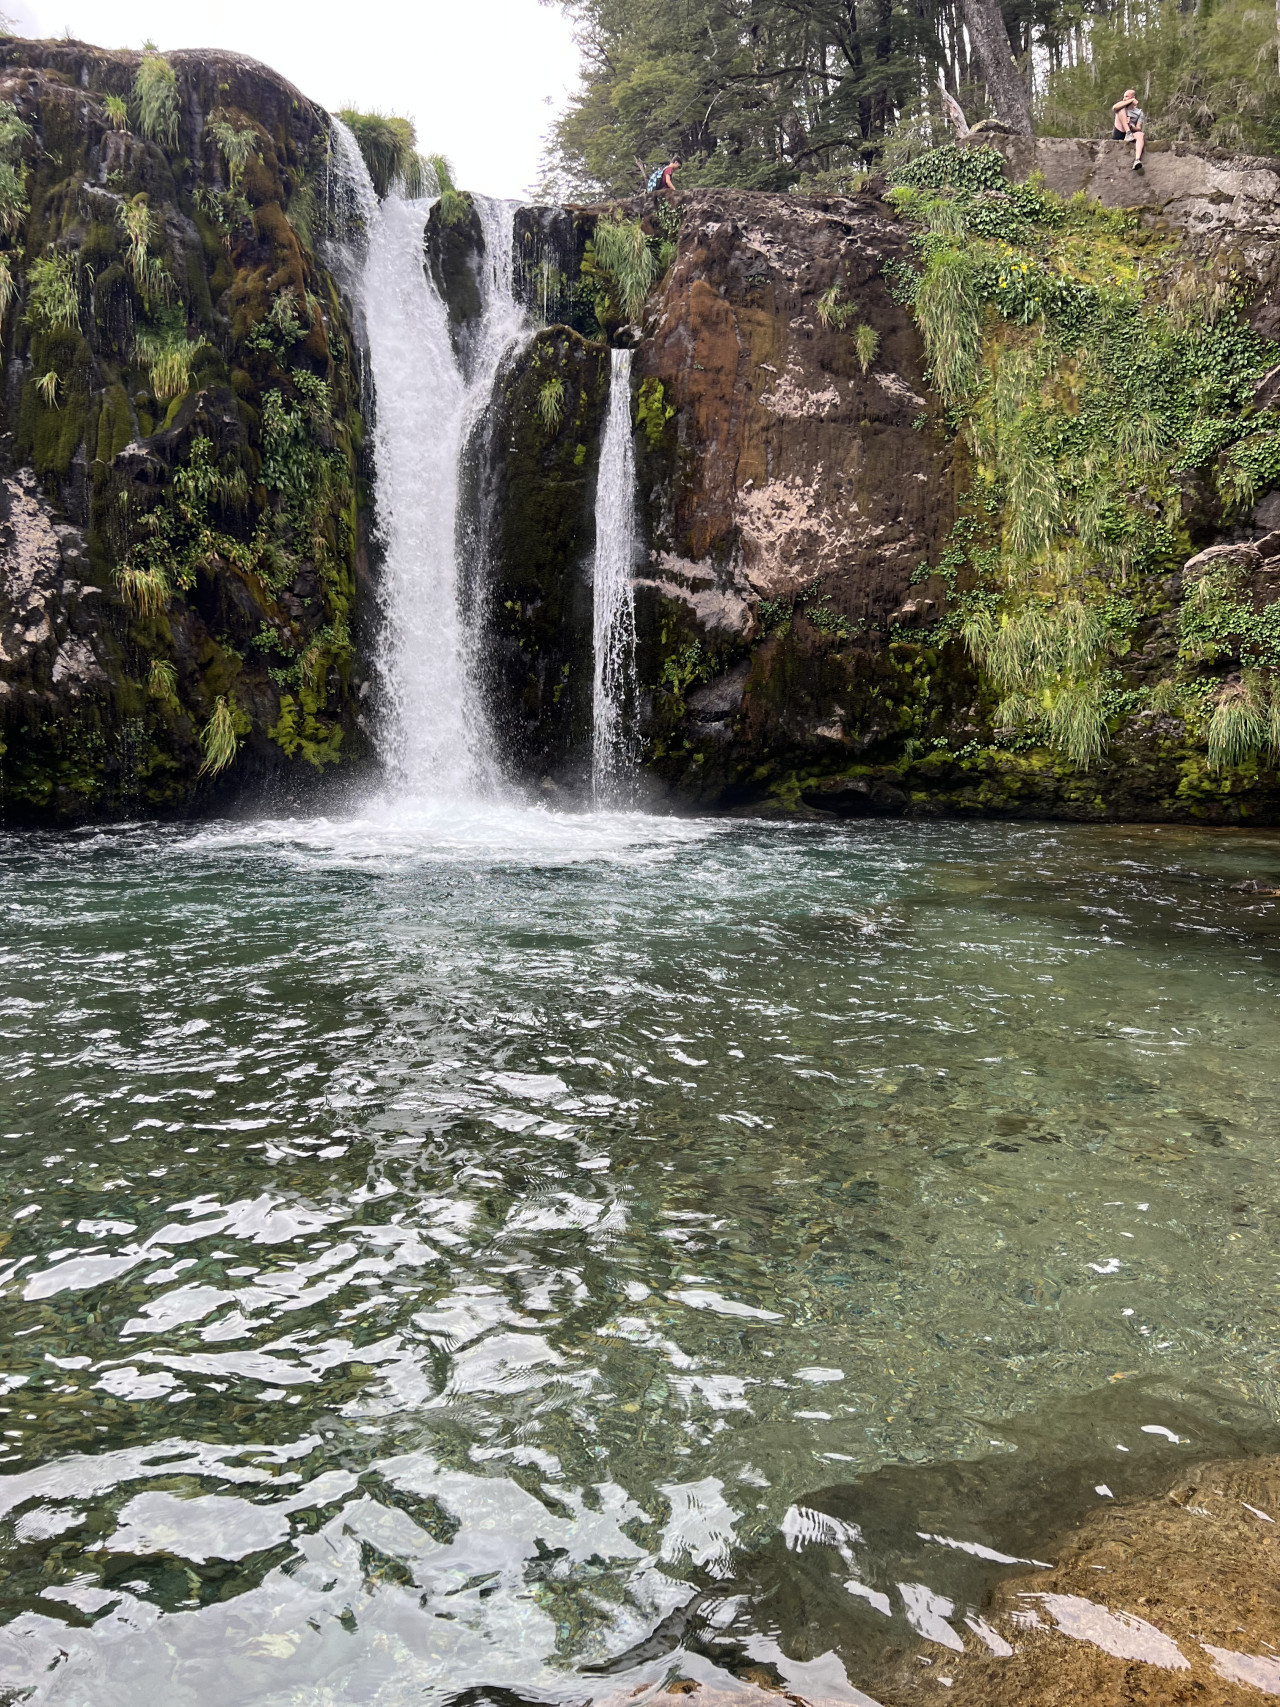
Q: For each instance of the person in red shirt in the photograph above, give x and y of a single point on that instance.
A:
(660, 177)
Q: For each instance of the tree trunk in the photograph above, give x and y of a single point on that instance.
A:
(1005, 84)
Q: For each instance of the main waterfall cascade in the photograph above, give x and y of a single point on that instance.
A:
(428, 405)
(430, 728)
(613, 754)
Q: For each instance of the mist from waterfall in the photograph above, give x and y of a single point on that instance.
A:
(430, 728)
(613, 746)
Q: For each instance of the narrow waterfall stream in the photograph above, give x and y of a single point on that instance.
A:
(613, 755)
(430, 728)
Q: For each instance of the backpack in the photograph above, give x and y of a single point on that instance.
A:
(655, 178)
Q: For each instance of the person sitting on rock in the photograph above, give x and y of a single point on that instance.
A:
(1127, 118)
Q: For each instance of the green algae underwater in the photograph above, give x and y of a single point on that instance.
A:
(502, 1257)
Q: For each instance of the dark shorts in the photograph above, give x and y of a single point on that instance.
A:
(1120, 135)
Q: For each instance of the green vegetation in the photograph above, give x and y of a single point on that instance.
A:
(236, 144)
(15, 134)
(866, 345)
(620, 261)
(168, 358)
(389, 144)
(1084, 401)
(117, 111)
(831, 311)
(455, 205)
(162, 680)
(53, 293)
(551, 401)
(148, 270)
(47, 386)
(219, 740)
(155, 94)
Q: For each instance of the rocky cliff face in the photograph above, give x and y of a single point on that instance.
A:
(184, 596)
(812, 528)
(180, 528)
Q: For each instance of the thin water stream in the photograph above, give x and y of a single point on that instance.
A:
(458, 1249)
(613, 754)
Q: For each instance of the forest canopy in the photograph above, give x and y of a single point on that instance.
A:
(784, 94)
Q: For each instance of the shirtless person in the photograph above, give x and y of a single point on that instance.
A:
(1126, 117)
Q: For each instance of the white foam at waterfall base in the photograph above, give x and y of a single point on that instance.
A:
(394, 834)
(613, 753)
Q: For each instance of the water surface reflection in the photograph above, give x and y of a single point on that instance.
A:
(505, 1250)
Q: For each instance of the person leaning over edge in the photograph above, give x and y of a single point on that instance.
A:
(1127, 119)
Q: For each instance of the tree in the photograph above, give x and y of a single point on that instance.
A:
(1010, 93)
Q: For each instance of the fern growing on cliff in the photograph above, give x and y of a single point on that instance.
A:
(831, 311)
(236, 146)
(1044, 659)
(155, 89)
(455, 206)
(117, 111)
(866, 345)
(15, 132)
(47, 386)
(162, 681)
(947, 306)
(1245, 722)
(168, 358)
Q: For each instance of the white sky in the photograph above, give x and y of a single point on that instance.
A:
(481, 79)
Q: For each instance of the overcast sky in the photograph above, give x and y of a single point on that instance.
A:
(481, 79)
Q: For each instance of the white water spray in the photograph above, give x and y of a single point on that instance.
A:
(431, 731)
(613, 754)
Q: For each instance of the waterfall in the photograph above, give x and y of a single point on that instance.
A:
(430, 729)
(613, 754)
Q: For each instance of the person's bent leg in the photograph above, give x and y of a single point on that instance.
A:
(1139, 143)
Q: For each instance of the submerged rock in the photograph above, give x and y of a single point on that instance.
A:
(1169, 1600)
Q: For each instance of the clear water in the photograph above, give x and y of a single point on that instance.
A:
(613, 751)
(450, 1250)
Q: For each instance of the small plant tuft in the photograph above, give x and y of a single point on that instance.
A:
(236, 145)
(218, 738)
(551, 402)
(866, 345)
(145, 591)
(117, 110)
(162, 680)
(47, 386)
